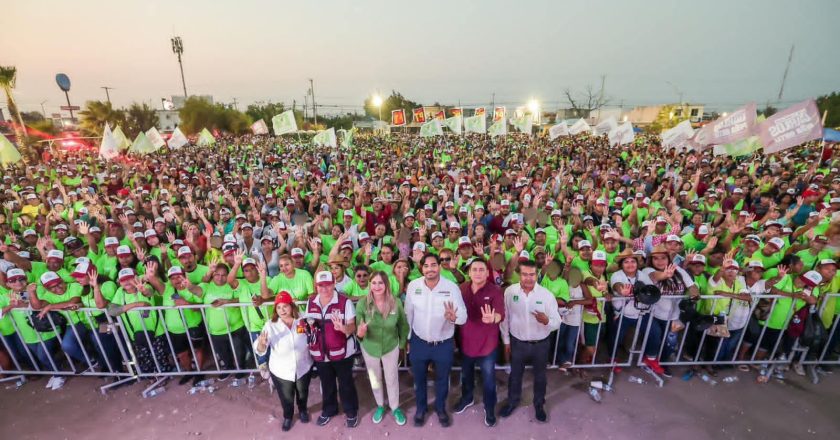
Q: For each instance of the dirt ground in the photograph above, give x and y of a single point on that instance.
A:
(794, 409)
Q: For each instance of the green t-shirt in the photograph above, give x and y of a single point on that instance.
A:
(353, 290)
(558, 287)
(137, 321)
(301, 286)
(176, 317)
(21, 321)
(786, 307)
(197, 275)
(221, 320)
(73, 290)
(245, 292)
(108, 289)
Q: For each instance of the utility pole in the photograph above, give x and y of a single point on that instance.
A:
(305, 106)
(314, 107)
(493, 101)
(234, 104)
(784, 77)
(178, 49)
(107, 95)
(601, 96)
(43, 111)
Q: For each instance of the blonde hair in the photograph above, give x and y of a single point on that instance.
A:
(390, 302)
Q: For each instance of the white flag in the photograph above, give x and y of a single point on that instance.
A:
(108, 149)
(155, 138)
(177, 140)
(431, 128)
(621, 135)
(475, 124)
(325, 137)
(561, 129)
(499, 128)
(454, 124)
(523, 123)
(284, 123)
(605, 126)
(579, 127)
(677, 136)
(259, 127)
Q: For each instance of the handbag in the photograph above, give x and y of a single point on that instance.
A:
(42, 324)
(718, 331)
(762, 309)
(814, 334)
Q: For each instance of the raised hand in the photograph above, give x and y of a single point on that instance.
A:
(488, 314)
(626, 290)
(338, 322)
(449, 311)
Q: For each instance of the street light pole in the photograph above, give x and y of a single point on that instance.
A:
(178, 49)
(107, 95)
(43, 111)
(314, 107)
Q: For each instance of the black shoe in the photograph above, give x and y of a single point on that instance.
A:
(462, 406)
(352, 422)
(444, 419)
(183, 380)
(667, 372)
(419, 419)
(507, 410)
(224, 377)
(489, 418)
(287, 425)
(323, 420)
(539, 413)
(304, 417)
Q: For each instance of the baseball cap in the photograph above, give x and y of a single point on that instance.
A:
(584, 243)
(599, 257)
(464, 241)
(55, 254)
(524, 255)
(812, 278)
(283, 297)
(184, 250)
(777, 242)
(15, 273)
(698, 258)
(82, 268)
(419, 246)
(673, 238)
(49, 279)
(323, 277)
(125, 274)
(296, 252)
(175, 271)
(111, 241)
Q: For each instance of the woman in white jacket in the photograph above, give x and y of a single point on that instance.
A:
(289, 362)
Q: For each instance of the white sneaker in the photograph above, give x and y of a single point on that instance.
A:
(264, 373)
(50, 382)
(58, 383)
(798, 369)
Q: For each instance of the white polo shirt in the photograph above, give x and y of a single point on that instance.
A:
(290, 358)
(519, 318)
(425, 307)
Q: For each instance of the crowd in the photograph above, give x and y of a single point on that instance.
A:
(276, 254)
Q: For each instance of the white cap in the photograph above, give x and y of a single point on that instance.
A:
(755, 264)
(776, 241)
(812, 278)
(29, 232)
(674, 238)
(295, 252)
(49, 278)
(175, 270)
(247, 261)
(698, 258)
(15, 273)
(56, 254)
(584, 243)
(505, 202)
(437, 234)
(125, 274)
(454, 225)
(150, 233)
(348, 213)
(419, 246)
(184, 250)
(703, 230)
(323, 277)
(364, 236)
(111, 241)
(464, 241)
(599, 256)
(557, 212)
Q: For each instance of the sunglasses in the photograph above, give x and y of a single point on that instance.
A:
(446, 259)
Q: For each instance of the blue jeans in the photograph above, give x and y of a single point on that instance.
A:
(567, 337)
(46, 350)
(15, 347)
(619, 329)
(487, 365)
(659, 330)
(73, 345)
(108, 354)
(728, 345)
(264, 358)
(421, 355)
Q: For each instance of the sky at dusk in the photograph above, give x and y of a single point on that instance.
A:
(720, 53)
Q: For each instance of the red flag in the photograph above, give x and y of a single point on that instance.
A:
(398, 117)
(457, 111)
(498, 114)
(479, 111)
(419, 115)
(441, 116)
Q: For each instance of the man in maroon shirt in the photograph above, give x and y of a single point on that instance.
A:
(381, 214)
(485, 304)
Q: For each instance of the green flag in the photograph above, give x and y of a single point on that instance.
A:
(284, 123)
(142, 145)
(122, 140)
(475, 124)
(743, 147)
(325, 137)
(205, 138)
(499, 128)
(431, 128)
(454, 124)
(347, 140)
(8, 153)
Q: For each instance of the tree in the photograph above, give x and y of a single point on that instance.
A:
(43, 126)
(393, 102)
(30, 117)
(96, 114)
(583, 103)
(664, 120)
(768, 111)
(197, 114)
(140, 117)
(265, 111)
(344, 121)
(8, 77)
(831, 104)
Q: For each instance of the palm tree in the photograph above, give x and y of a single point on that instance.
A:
(8, 75)
(96, 114)
(140, 117)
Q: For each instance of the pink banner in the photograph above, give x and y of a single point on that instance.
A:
(735, 126)
(790, 127)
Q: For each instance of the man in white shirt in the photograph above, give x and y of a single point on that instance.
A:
(433, 306)
(530, 316)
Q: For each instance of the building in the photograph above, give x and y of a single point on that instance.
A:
(645, 115)
(169, 119)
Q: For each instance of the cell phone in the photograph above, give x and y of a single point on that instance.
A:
(176, 295)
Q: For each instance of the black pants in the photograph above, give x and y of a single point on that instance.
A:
(291, 392)
(522, 353)
(340, 372)
(232, 354)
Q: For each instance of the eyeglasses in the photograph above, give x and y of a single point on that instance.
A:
(445, 259)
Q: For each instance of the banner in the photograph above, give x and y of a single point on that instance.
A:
(735, 126)
(456, 111)
(606, 126)
(259, 127)
(122, 141)
(677, 136)
(499, 128)
(431, 128)
(325, 138)
(284, 123)
(561, 129)
(742, 147)
(177, 140)
(347, 139)
(108, 149)
(700, 140)
(621, 135)
(142, 145)
(523, 124)
(578, 127)
(8, 153)
(454, 124)
(499, 114)
(790, 127)
(398, 117)
(440, 116)
(479, 111)
(155, 138)
(419, 115)
(205, 138)
(475, 124)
